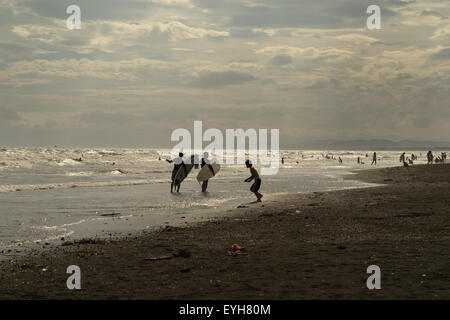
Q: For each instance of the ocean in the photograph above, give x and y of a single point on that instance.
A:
(47, 194)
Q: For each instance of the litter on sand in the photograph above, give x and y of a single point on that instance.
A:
(236, 250)
(155, 258)
(182, 253)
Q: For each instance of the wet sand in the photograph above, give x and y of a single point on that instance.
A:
(299, 246)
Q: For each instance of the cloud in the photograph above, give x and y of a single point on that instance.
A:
(281, 60)
(8, 114)
(309, 67)
(218, 79)
(442, 54)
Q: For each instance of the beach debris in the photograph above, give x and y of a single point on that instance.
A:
(91, 241)
(168, 229)
(114, 214)
(241, 207)
(184, 253)
(341, 247)
(185, 270)
(236, 250)
(67, 243)
(161, 257)
(26, 265)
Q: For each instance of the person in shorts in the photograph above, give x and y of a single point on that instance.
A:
(255, 176)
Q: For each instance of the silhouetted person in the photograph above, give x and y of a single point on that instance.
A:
(374, 159)
(206, 162)
(430, 157)
(177, 163)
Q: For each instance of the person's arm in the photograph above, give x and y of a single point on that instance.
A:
(184, 166)
(249, 179)
(169, 161)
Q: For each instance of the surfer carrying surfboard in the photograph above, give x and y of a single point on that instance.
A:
(206, 162)
(257, 184)
(177, 163)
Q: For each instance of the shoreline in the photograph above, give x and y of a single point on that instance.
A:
(299, 246)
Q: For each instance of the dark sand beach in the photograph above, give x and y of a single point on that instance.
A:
(301, 246)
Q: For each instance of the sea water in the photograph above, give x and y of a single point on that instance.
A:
(48, 194)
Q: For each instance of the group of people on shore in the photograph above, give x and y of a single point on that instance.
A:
(180, 162)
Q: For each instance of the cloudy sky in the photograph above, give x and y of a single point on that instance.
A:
(138, 69)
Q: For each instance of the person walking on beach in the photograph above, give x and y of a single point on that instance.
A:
(177, 163)
(255, 176)
(374, 160)
(206, 162)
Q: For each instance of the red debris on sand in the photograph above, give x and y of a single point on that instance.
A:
(236, 250)
(163, 257)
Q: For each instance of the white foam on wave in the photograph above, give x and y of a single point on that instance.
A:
(32, 187)
(69, 162)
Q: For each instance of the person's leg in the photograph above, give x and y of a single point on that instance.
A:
(204, 186)
(178, 187)
(171, 187)
(255, 189)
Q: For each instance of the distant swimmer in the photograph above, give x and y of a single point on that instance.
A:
(255, 176)
(177, 163)
(374, 159)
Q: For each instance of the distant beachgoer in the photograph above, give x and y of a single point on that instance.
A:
(430, 157)
(206, 162)
(405, 164)
(374, 159)
(340, 160)
(255, 176)
(282, 160)
(359, 160)
(196, 161)
(402, 157)
(177, 163)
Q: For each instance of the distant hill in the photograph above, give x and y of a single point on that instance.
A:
(376, 144)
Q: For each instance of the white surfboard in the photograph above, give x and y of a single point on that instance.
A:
(206, 173)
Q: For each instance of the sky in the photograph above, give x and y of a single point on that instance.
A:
(138, 69)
